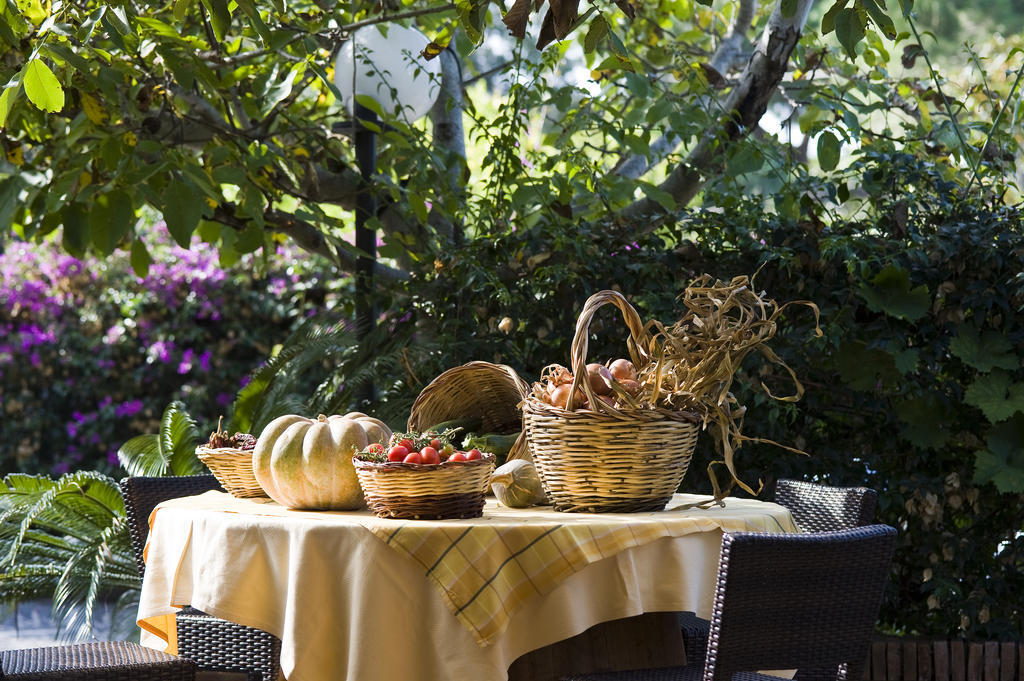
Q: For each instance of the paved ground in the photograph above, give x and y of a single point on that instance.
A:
(31, 626)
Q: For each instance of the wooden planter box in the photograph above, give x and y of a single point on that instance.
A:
(909, 659)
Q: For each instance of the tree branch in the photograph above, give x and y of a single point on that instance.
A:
(743, 108)
(306, 236)
(726, 56)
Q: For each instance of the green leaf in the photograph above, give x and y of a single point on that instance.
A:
(182, 207)
(1003, 462)
(111, 217)
(7, 100)
(140, 258)
(890, 293)
(923, 421)
(10, 193)
(255, 20)
(866, 369)
(829, 147)
(849, 30)
(658, 195)
(75, 220)
(220, 16)
(828, 21)
(984, 352)
(171, 451)
(745, 159)
(42, 87)
(996, 395)
(787, 7)
(880, 18)
(598, 30)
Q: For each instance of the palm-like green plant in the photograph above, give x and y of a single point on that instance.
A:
(320, 370)
(67, 539)
(172, 451)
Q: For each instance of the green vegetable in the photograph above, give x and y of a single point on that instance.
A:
(516, 484)
(467, 424)
(491, 443)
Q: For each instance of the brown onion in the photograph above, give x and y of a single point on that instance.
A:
(599, 377)
(560, 395)
(623, 369)
(631, 387)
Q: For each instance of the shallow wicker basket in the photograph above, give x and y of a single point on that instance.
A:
(233, 470)
(452, 489)
(608, 460)
(489, 392)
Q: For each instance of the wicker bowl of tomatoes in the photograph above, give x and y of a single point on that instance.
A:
(422, 476)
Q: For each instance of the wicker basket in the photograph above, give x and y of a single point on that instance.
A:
(489, 392)
(452, 489)
(233, 470)
(608, 460)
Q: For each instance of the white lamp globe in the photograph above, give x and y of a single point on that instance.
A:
(384, 62)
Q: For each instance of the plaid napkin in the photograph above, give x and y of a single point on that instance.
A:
(487, 568)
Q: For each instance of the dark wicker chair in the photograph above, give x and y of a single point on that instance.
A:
(815, 508)
(820, 508)
(212, 643)
(97, 661)
(784, 601)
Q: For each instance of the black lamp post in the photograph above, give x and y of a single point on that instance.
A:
(382, 62)
(365, 237)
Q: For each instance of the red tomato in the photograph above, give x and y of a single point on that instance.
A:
(408, 444)
(413, 457)
(398, 453)
(376, 448)
(457, 456)
(435, 443)
(430, 455)
(473, 454)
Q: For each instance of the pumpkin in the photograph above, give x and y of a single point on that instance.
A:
(516, 484)
(307, 463)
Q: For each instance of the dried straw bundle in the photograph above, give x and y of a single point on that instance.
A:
(693, 362)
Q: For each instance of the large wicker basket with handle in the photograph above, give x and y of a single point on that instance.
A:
(608, 459)
(475, 390)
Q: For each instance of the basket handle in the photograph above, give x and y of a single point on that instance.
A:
(578, 353)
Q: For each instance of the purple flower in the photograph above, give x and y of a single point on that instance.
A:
(204, 361)
(185, 365)
(223, 399)
(61, 468)
(160, 350)
(112, 458)
(130, 408)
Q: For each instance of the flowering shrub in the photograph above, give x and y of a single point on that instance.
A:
(90, 353)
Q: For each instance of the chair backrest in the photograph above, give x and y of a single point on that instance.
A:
(820, 508)
(806, 601)
(142, 494)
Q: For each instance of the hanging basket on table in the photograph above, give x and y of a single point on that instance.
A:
(603, 458)
(451, 489)
(490, 393)
(233, 469)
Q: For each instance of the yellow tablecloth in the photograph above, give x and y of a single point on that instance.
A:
(348, 591)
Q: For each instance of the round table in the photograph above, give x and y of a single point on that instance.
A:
(352, 596)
